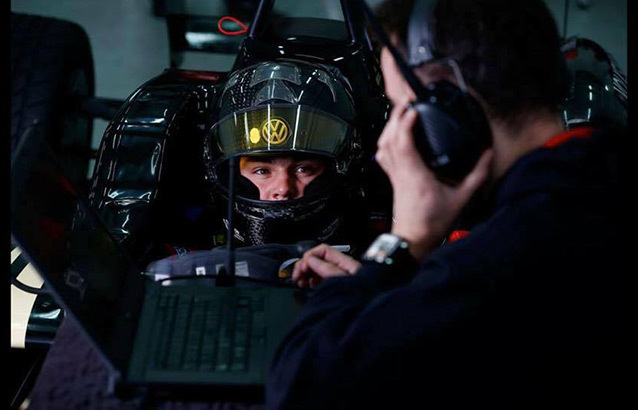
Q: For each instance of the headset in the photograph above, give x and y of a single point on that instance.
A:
(452, 129)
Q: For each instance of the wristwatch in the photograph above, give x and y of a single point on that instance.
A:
(388, 249)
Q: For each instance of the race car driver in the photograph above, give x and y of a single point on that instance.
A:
(291, 123)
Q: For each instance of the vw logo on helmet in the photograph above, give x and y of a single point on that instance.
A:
(275, 131)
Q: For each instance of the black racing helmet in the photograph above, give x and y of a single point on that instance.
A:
(598, 87)
(286, 108)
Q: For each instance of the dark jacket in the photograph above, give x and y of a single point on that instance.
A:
(526, 310)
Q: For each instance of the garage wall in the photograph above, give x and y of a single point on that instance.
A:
(130, 46)
(604, 21)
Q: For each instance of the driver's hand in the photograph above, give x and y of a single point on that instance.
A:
(322, 262)
(424, 208)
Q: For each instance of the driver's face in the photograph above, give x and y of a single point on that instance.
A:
(280, 178)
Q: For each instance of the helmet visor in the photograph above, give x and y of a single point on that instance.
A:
(281, 128)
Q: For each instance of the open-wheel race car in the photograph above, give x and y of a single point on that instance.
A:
(151, 184)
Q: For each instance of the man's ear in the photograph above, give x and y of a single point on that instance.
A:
(396, 88)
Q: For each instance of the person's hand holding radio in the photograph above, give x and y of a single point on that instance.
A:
(424, 208)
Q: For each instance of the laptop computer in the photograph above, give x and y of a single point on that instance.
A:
(170, 339)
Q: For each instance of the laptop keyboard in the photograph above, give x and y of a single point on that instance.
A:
(206, 333)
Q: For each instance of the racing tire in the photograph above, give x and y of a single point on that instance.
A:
(51, 74)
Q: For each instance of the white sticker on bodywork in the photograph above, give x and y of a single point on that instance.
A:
(241, 268)
(22, 304)
(14, 254)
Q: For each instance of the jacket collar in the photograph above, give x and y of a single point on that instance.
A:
(565, 164)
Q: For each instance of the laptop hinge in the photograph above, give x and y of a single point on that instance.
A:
(126, 392)
(113, 381)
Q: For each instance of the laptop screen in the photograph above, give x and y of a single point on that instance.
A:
(68, 245)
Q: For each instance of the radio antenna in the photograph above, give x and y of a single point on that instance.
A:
(226, 274)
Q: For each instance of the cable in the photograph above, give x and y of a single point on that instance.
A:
(565, 18)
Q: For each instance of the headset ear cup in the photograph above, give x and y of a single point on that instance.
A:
(425, 134)
(439, 141)
(452, 131)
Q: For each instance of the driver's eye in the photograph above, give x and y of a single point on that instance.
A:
(261, 171)
(305, 169)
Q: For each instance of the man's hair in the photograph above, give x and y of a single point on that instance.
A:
(508, 50)
(394, 15)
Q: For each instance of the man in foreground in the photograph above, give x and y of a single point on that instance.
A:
(524, 310)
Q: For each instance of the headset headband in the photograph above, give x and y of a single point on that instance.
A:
(420, 39)
(420, 49)
(409, 76)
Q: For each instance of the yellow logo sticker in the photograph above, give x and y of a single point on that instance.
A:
(275, 131)
(254, 135)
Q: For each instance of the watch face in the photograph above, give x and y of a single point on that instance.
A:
(382, 248)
